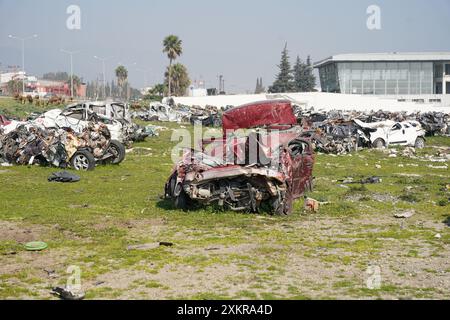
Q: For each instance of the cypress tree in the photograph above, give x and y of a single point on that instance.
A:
(262, 89)
(300, 82)
(284, 80)
(310, 77)
(259, 86)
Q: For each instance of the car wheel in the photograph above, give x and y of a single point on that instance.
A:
(182, 201)
(83, 161)
(420, 143)
(378, 144)
(118, 150)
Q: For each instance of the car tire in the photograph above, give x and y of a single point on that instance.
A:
(118, 149)
(378, 144)
(83, 160)
(420, 143)
(182, 201)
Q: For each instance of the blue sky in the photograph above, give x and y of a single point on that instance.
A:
(241, 39)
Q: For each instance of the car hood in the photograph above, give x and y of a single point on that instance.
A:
(259, 114)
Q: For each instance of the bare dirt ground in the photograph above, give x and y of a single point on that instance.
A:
(315, 265)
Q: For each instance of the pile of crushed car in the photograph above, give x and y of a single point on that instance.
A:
(209, 116)
(334, 132)
(265, 158)
(79, 136)
(343, 132)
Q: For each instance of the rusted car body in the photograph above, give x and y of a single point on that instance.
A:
(262, 162)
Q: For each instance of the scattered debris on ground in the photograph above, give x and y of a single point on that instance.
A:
(404, 214)
(149, 246)
(63, 176)
(68, 294)
(35, 246)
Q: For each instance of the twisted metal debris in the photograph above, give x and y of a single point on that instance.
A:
(33, 144)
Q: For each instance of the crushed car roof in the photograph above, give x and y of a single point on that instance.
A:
(265, 113)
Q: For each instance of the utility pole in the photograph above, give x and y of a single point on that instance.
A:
(23, 56)
(71, 53)
(104, 73)
(144, 71)
(220, 83)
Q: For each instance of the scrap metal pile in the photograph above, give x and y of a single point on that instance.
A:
(435, 122)
(341, 132)
(81, 135)
(115, 115)
(31, 143)
(208, 116)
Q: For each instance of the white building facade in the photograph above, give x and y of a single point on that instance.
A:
(388, 74)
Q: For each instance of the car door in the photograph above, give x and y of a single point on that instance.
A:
(410, 133)
(397, 135)
(302, 166)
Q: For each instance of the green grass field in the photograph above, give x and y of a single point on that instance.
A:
(12, 108)
(324, 255)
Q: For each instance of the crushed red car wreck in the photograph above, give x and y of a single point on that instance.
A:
(262, 162)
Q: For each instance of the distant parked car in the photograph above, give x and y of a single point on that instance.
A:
(49, 95)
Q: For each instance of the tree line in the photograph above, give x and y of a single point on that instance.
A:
(299, 78)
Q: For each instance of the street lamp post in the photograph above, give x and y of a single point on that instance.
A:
(23, 56)
(71, 53)
(104, 76)
(145, 72)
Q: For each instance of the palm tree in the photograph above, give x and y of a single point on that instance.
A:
(179, 78)
(172, 46)
(158, 89)
(122, 75)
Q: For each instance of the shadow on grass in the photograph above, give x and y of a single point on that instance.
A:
(169, 205)
(166, 204)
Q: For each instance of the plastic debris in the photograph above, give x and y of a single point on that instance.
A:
(35, 246)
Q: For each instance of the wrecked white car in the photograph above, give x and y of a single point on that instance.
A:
(78, 118)
(110, 109)
(164, 113)
(388, 133)
(110, 112)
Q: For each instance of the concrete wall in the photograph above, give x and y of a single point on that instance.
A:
(329, 101)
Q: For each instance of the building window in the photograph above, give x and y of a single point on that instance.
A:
(438, 89)
(447, 69)
(447, 87)
(438, 70)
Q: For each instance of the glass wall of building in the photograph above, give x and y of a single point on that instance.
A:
(329, 78)
(382, 78)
